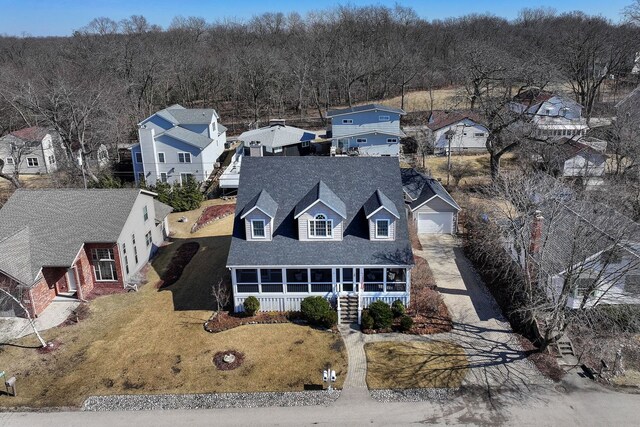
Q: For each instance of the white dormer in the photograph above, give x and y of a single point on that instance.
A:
(258, 217)
(320, 215)
(382, 216)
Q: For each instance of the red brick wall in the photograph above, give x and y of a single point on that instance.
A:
(39, 297)
(88, 279)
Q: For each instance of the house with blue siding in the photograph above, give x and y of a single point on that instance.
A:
(177, 144)
(367, 130)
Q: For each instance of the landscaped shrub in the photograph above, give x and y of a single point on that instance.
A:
(367, 320)
(251, 305)
(381, 314)
(329, 319)
(181, 198)
(406, 323)
(397, 308)
(316, 310)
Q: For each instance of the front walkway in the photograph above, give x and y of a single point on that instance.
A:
(355, 388)
(57, 312)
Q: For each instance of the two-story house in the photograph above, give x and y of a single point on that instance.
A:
(552, 115)
(28, 151)
(457, 131)
(368, 130)
(68, 242)
(327, 226)
(176, 144)
(277, 139)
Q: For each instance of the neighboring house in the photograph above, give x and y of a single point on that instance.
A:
(606, 258)
(99, 157)
(178, 143)
(66, 242)
(31, 150)
(460, 131)
(327, 226)
(429, 205)
(368, 130)
(631, 102)
(552, 115)
(277, 139)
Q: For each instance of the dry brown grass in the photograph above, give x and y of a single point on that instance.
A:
(154, 342)
(401, 365)
(443, 99)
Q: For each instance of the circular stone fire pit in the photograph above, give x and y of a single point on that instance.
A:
(228, 360)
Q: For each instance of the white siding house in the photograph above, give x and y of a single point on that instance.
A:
(30, 151)
(458, 131)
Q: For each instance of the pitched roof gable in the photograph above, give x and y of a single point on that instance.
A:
(362, 108)
(277, 135)
(421, 188)
(321, 193)
(444, 119)
(263, 202)
(197, 140)
(379, 201)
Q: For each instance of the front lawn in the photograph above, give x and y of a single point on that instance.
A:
(402, 365)
(153, 341)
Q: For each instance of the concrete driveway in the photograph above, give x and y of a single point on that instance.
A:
(496, 357)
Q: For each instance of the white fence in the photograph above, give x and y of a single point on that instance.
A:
(389, 299)
(292, 302)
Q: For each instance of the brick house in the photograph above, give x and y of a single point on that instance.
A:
(66, 243)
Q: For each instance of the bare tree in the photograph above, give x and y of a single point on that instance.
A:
(7, 289)
(18, 150)
(632, 12)
(221, 294)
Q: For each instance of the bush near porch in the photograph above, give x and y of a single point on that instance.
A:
(153, 341)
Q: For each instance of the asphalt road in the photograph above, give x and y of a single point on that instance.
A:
(538, 407)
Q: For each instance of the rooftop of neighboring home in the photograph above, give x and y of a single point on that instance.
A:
(442, 118)
(182, 124)
(47, 228)
(31, 134)
(421, 188)
(570, 148)
(349, 186)
(631, 100)
(277, 134)
(533, 99)
(363, 108)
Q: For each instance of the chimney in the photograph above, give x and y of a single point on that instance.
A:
(276, 122)
(536, 232)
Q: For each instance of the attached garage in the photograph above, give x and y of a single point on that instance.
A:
(429, 205)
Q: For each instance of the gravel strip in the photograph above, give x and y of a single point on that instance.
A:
(145, 402)
(413, 394)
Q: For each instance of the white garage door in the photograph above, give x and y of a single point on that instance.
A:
(435, 223)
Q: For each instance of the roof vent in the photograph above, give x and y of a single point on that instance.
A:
(276, 122)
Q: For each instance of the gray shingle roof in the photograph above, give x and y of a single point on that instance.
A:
(352, 180)
(277, 136)
(421, 188)
(321, 193)
(379, 200)
(368, 107)
(264, 202)
(58, 222)
(195, 139)
(161, 210)
(193, 116)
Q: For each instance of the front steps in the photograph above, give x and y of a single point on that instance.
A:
(348, 309)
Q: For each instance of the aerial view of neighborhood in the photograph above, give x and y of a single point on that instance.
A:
(295, 213)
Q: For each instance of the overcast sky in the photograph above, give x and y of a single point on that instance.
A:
(61, 17)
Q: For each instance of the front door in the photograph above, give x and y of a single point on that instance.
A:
(71, 280)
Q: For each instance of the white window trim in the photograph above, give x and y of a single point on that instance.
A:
(184, 157)
(182, 177)
(145, 213)
(305, 144)
(164, 157)
(166, 177)
(347, 121)
(148, 238)
(392, 140)
(388, 236)
(361, 140)
(264, 228)
(136, 154)
(37, 163)
(9, 161)
(327, 220)
(95, 263)
(384, 118)
(277, 150)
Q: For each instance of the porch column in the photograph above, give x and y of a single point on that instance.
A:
(408, 285)
(284, 280)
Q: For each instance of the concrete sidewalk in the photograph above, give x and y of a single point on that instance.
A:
(57, 312)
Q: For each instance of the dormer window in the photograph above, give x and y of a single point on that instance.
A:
(320, 226)
(382, 228)
(257, 229)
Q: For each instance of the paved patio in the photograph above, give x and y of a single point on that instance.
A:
(57, 312)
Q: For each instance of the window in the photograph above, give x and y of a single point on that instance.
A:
(51, 160)
(185, 177)
(9, 160)
(184, 157)
(320, 226)
(271, 279)
(305, 144)
(384, 118)
(147, 238)
(138, 157)
(160, 157)
(478, 134)
(277, 150)
(32, 162)
(257, 229)
(104, 264)
(382, 228)
(396, 280)
(584, 284)
(126, 258)
(163, 177)
(392, 140)
(361, 140)
(297, 280)
(145, 213)
(247, 280)
(347, 121)
(321, 280)
(373, 279)
(103, 154)
(135, 249)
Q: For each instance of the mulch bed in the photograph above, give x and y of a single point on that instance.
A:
(225, 321)
(178, 262)
(422, 325)
(218, 360)
(79, 314)
(50, 348)
(213, 213)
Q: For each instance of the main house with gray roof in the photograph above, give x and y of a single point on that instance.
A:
(177, 144)
(327, 226)
(68, 242)
(366, 130)
(431, 208)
